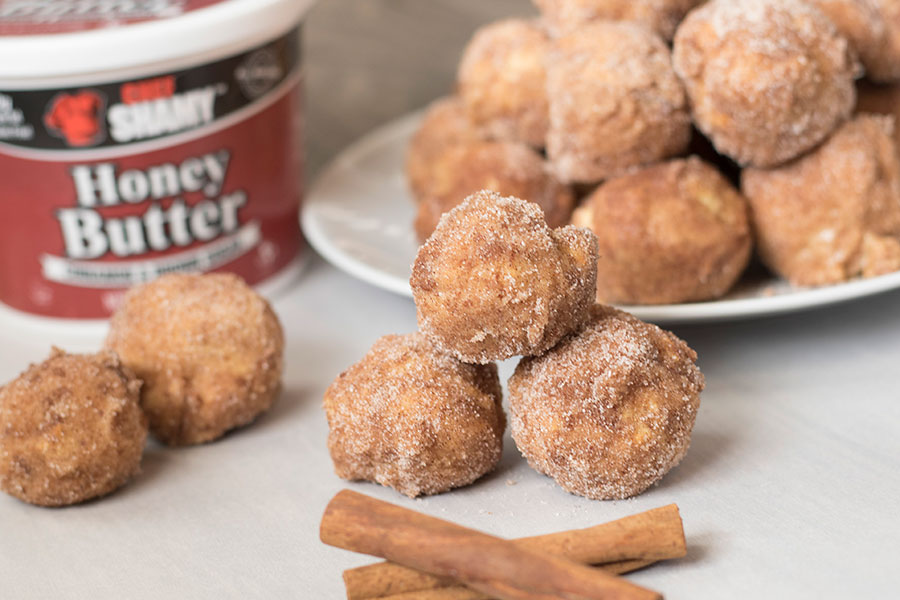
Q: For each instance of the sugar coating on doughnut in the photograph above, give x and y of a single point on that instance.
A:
(608, 411)
(495, 281)
(615, 102)
(767, 79)
(411, 417)
(502, 81)
(508, 168)
(71, 429)
(660, 16)
(835, 213)
(209, 349)
(444, 125)
(673, 232)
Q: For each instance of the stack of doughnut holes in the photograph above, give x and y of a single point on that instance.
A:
(684, 134)
(188, 358)
(600, 401)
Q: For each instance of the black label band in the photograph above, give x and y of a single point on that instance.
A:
(136, 110)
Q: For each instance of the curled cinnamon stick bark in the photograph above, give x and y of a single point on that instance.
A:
(496, 567)
(618, 546)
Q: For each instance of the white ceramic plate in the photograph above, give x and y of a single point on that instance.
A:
(359, 215)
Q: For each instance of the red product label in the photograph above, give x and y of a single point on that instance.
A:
(36, 17)
(112, 185)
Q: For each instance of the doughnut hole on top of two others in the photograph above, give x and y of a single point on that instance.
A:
(494, 281)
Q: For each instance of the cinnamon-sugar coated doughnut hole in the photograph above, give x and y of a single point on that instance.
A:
(502, 81)
(615, 102)
(412, 417)
(661, 16)
(835, 213)
(608, 411)
(444, 125)
(674, 232)
(508, 168)
(494, 281)
(209, 349)
(71, 429)
(767, 79)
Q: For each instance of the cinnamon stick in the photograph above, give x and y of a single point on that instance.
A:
(448, 590)
(619, 546)
(493, 566)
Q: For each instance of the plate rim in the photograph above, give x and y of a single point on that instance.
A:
(397, 130)
(315, 234)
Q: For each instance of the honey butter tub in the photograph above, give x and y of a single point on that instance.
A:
(142, 137)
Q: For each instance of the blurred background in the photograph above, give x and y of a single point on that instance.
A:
(368, 62)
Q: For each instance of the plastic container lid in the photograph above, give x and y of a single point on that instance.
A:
(61, 39)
